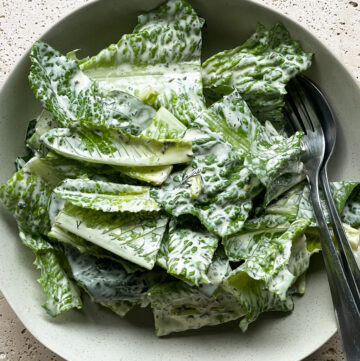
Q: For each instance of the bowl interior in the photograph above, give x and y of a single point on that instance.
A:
(95, 333)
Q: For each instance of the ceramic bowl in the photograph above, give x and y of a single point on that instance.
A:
(96, 333)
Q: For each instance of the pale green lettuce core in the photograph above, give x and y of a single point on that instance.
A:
(163, 53)
(106, 196)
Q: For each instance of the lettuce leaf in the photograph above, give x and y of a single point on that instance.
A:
(162, 53)
(270, 156)
(266, 254)
(84, 246)
(187, 253)
(135, 237)
(72, 97)
(216, 187)
(254, 298)
(105, 280)
(163, 126)
(106, 196)
(27, 196)
(179, 307)
(259, 69)
(62, 294)
(115, 148)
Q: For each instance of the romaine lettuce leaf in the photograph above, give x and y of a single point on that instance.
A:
(106, 196)
(135, 237)
(163, 126)
(267, 254)
(115, 148)
(85, 246)
(62, 294)
(105, 280)
(179, 307)
(270, 156)
(27, 196)
(188, 251)
(259, 69)
(72, 97)
(216, 187)
(254, 297)
(162, 53)
(274, 259)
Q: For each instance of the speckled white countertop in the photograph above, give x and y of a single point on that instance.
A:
(336, 22)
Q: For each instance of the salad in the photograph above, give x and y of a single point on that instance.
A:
(154, 179)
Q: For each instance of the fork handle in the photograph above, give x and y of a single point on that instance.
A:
(346, 311)
(350, 265)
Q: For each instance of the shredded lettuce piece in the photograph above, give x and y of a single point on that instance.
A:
(259, 69)
(178, 307)
(187, 253)
(106, 196)
(161, 54)
(133, 236)
(62, 294)
(114, 148)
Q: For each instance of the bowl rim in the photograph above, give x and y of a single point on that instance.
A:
(78, 10)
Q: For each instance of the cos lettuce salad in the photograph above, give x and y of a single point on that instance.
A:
(153, 179)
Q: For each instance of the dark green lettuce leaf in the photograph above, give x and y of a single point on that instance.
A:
(259, 69)
(216, 187)
(187, 251)
(62, 294)
(274, 159)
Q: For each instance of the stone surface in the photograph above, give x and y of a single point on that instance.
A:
(336, 22)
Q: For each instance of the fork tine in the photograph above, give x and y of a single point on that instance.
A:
(304, 106)
(292, 114)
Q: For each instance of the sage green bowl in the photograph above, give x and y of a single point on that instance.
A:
(96, 333)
